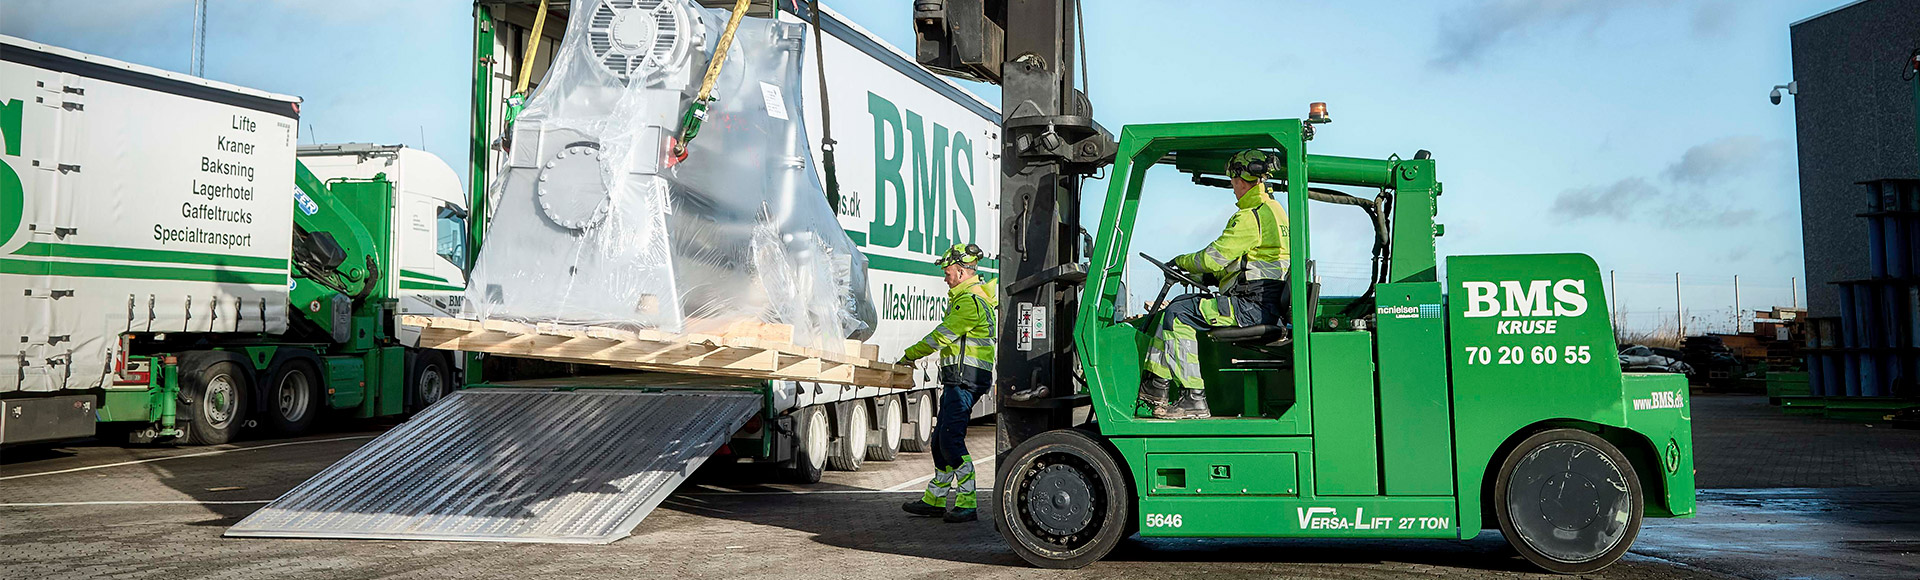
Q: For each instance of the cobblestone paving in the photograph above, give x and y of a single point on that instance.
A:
(1741, 442)
(738, 522)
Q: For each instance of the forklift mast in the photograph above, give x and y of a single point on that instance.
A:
(1051, 145)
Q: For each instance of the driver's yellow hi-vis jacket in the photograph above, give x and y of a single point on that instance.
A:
(1255, 245)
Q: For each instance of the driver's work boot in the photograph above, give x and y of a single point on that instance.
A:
(1153, 393)
(1192, 405)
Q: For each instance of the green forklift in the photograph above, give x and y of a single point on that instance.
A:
(1420, 408)
(1416, 410)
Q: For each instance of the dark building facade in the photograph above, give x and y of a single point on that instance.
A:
(1855, 122)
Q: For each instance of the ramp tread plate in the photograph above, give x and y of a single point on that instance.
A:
(513, 465)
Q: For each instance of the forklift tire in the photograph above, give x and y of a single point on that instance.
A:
(851, 449)
(217, 395)
(1568, 501)
(809, 445)
(916, 433)
(883, 442)
(429, 379)
(295, 397)
(1062, 500)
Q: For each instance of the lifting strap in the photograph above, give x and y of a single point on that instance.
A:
(533, 50)
(697, 114)
(826, 111)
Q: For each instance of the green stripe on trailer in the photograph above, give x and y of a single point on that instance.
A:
(412, 285)
(38, 268)
(405, 273)
(144, 255)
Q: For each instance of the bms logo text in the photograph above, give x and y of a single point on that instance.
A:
(1566, 297)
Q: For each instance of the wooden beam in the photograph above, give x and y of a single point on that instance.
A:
(741, 350)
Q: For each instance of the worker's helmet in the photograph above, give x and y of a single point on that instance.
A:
(966, 254)
(1252, 165)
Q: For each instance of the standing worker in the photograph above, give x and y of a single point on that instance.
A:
(964, 340)
(1250, 259)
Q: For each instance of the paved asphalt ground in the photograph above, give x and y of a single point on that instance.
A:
(1788, 497)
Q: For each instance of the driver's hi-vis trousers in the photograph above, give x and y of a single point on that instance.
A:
(1174, 353)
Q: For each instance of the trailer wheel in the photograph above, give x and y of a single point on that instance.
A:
(217, 395)
(917, 434)
(1568, 501)
(883, 442)
(851, 449)
(1062, 501)
(295, 397)
(428, 380)
(810, 445)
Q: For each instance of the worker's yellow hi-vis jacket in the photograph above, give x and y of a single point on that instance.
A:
(1255, 245)
(964, 337)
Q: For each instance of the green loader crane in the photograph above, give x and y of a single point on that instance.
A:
(1421, 408)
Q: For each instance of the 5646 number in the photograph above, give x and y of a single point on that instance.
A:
(1519, 355)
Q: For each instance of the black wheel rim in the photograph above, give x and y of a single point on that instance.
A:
(1570, 502)
(1060, 500)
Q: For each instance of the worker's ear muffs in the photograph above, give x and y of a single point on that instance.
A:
(1259, 167)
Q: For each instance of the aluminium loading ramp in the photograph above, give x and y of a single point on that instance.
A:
(513, 465)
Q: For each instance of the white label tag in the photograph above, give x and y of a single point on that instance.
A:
(776, 106)
(1037, 323)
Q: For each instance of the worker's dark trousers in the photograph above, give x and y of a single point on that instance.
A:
(962, 386)
(953, 468)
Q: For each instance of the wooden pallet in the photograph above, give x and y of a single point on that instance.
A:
(745, 350)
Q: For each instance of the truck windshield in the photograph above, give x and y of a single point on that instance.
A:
(451, 236)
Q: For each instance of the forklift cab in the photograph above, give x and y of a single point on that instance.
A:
(1258, 374)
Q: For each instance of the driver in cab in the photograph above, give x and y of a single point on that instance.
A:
(1250, 261)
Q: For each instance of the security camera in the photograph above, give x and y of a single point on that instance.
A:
(1792, 87)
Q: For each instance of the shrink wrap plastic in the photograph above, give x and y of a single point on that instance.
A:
(594, 224)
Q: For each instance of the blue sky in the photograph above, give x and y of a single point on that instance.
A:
(1637, 131)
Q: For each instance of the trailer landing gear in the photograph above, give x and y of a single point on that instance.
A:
(1062, 501)
(1568, 501)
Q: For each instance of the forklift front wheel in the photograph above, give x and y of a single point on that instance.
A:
(1568, 501)
(1062, 500)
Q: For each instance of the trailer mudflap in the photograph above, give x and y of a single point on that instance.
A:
(513, 465)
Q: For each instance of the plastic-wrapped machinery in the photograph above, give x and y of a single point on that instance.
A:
(594, 224)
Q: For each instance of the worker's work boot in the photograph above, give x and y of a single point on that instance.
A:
(921, 508)
(1153, 391)
(960, 515)
(1192, 405)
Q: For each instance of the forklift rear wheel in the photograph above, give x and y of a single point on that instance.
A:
(295, 389)
(1062, 500)
(217, 393)
(810, 445)
(851, 450)
(1568, 501)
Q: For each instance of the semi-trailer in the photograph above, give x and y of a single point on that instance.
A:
(172, 271)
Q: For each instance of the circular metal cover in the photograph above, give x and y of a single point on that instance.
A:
(1060, 500)
(571, 190)
(1569, 501)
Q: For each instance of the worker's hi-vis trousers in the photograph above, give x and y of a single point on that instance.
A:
(1174, 353)
(955, 481)
(953, 466)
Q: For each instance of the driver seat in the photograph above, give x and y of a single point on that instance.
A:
(1269, 338)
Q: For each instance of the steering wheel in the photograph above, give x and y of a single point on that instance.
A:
(1173, 276)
